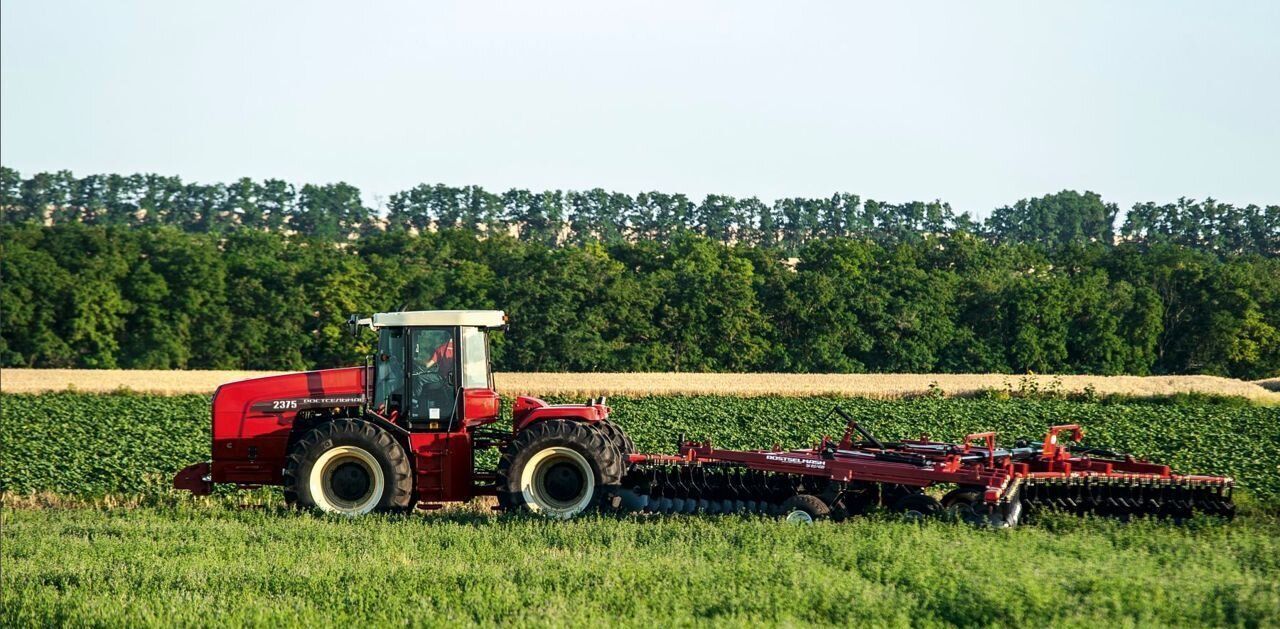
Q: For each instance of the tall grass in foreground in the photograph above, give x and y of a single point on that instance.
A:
(219, 562)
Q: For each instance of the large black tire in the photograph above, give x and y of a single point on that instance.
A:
(559, 468)
(348, 466)
(805, 509)
(618, 437)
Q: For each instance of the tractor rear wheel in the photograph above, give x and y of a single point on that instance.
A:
(558, 468)
(618, 437)
(348, 466)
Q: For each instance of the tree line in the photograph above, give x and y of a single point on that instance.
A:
(128, 295)
(337, 212)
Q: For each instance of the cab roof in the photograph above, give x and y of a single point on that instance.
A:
(469, 318)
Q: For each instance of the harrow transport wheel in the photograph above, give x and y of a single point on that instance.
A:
(961, 496)
(967, 504)
(350, 467)
(558, 468)
(804, 509)
(917, 506)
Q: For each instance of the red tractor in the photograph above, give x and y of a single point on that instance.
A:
(404, 430)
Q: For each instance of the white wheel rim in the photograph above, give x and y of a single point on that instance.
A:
(333, 460)
(799, 516)
(533, 482)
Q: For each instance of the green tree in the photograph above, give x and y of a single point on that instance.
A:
(707, 316)
(11, 196)
(35, 296)
(330, 212)
(820, 324)
(715, 217)
(1055, 220)
(268, 303)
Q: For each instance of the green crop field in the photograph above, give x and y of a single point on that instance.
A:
(90, 531)
(92, 444)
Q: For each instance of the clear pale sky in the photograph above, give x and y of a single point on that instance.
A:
(978, 104)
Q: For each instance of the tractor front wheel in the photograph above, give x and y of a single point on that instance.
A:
(558, 468)
(349, 467)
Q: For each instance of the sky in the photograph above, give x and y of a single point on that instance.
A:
(974, 103)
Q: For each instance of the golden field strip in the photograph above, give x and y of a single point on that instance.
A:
(881, 386)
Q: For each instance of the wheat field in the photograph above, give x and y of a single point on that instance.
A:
(882, 386)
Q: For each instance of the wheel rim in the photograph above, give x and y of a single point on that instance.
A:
(557, 482)
(799, 516)
(347, 480)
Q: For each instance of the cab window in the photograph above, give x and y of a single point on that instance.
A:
(433, 377)
(475, 359)
(389, 365)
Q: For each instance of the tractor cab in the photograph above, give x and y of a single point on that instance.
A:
(431, 368)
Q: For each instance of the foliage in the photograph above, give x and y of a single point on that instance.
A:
(95, 444)
(148, 271)
(156, 298)
(336, 212)
(1208, 225)
(1056, 219)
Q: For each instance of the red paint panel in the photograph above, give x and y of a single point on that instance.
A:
(480, 407)
(530, 409)
(429, 451)
(252, 420)
(441, 466)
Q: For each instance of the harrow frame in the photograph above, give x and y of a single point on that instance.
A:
(1047, 474)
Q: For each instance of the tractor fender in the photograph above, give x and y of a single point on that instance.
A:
(529, 410)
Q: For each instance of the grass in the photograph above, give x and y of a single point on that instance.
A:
(879, 386)
(246, 561)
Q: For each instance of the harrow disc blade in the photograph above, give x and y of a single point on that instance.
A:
(712, 490)
(1126, 498)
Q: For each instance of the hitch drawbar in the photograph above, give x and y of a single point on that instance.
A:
(994, 486)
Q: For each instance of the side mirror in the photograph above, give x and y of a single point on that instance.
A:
(353, 326)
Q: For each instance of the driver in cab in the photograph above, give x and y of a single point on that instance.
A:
(433, 394)
(441, 360)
